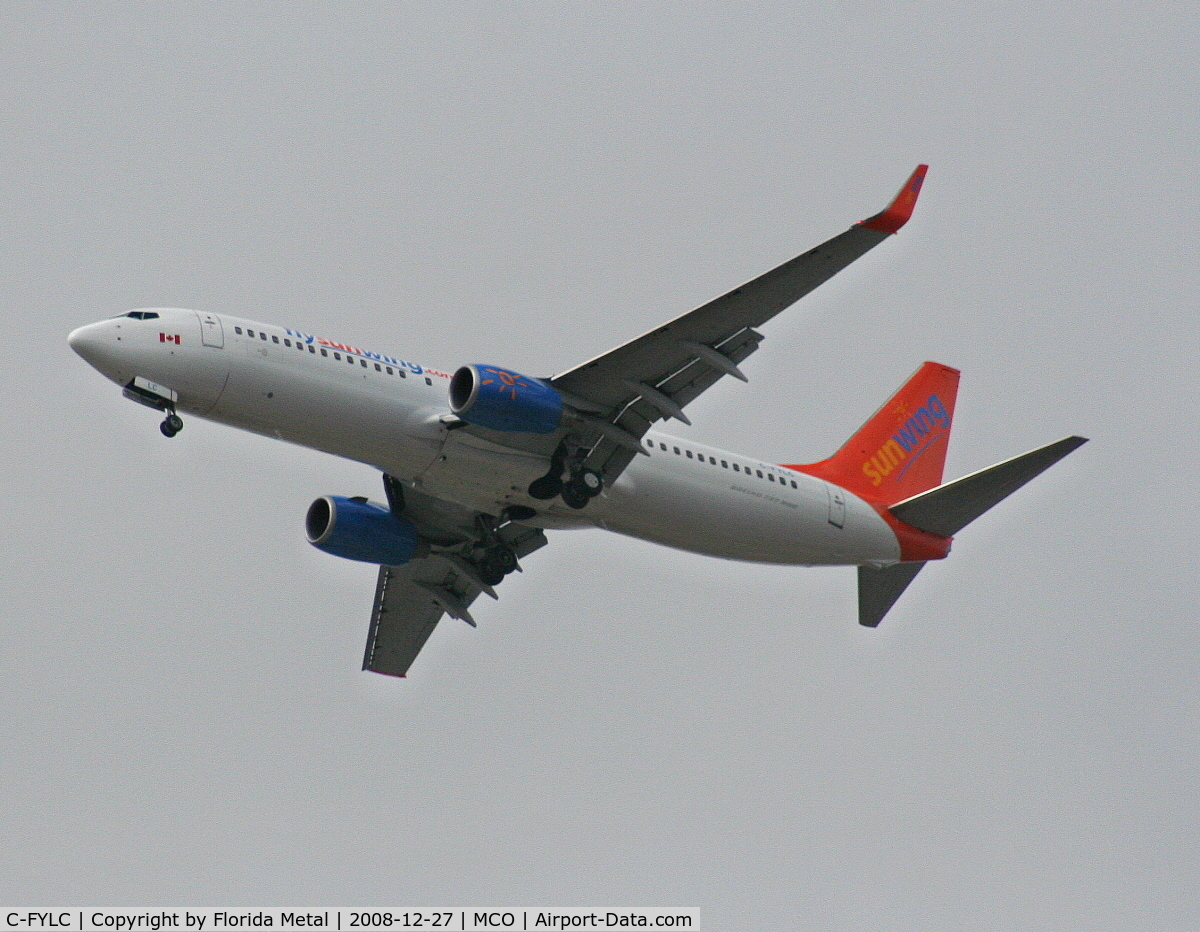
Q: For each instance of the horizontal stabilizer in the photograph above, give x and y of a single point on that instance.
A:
(949, 508)
(878, 590)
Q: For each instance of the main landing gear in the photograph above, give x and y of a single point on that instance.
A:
(496, 563)
(171, 425)
(489, 557)
(580, 487)
(493, 557)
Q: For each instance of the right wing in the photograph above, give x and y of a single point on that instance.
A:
(614, 398)
(411, 599)
(656, 375)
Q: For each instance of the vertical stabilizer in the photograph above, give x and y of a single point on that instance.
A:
(901, 450)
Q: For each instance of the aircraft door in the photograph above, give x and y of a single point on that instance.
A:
(211, 332)
(837, 505)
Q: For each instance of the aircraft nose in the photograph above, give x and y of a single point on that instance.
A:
(86, 341)
(99, 346)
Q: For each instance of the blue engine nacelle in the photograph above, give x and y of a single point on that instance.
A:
(501, 399)
(358, 530)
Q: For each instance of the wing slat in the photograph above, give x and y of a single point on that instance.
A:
(653, 355)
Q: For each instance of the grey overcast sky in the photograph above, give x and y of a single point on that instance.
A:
(183, 717)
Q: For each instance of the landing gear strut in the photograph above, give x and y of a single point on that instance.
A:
(171, 425)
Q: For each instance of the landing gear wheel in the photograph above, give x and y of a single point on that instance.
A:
(491, 574)
(591, 480)
(496, 564)
(545, 488)
(576, 494)
(504, 558)
(171, 425)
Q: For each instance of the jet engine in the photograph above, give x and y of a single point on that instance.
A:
(501, 399)
(359, 530)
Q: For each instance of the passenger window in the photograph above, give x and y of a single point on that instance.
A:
(389, 370)
(287, 343)
(238, 331)
(337, 356)
(758, 472)
(724, 464)
(794, 486)
(428, 380)
(677, 451)
(250, 332)
(403, 374)
(662, 446)
(274, 339)
(771, 476)
(713, 460)
(312, 349)
(263, 336)
(350, 359)
(737, 468)
(689, 455)
(324, 352)
(300, 346)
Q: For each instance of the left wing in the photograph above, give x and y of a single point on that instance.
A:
(621, 393)
(402, 618)
(411, 599)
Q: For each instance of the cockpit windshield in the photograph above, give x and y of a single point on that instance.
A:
(142, 315)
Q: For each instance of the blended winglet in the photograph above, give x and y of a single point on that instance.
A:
(900, 209)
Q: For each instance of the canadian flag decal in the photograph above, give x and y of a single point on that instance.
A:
(169, 338)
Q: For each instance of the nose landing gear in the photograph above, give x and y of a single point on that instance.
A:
(171, 425)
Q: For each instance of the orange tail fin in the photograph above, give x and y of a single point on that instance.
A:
(901, 450)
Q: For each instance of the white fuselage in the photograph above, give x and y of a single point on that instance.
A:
(387, 412)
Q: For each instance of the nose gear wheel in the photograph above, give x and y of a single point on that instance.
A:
(171, 425)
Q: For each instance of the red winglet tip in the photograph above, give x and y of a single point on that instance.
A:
(900, 209)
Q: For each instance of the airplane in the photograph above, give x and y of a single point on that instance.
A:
(478, 464)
